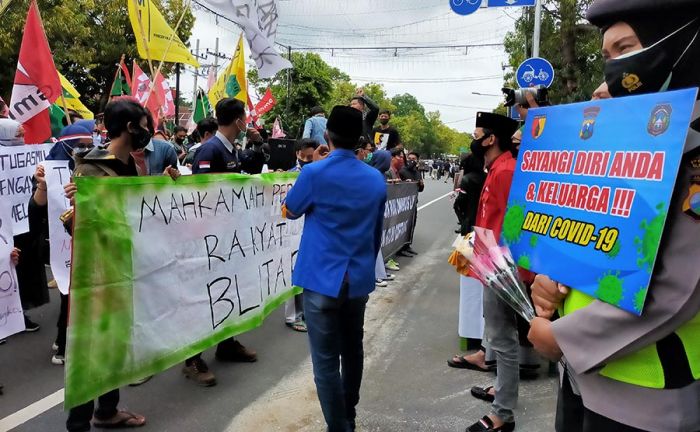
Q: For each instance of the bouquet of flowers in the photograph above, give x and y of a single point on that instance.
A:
(495, 267)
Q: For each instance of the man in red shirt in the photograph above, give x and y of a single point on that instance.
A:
(492, 142)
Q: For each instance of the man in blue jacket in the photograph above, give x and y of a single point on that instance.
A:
(315, 127)
(342, 200)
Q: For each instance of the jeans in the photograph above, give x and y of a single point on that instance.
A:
(501, 334)
(80, 416)
(336, 328)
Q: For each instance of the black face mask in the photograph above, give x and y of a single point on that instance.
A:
(650, 70)
(477, 148)
(384, 122)
(179, 140)
(411, 164)
(140, 138)
(302, 163)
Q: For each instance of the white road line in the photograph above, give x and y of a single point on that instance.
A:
(434, 201)
(34, 410)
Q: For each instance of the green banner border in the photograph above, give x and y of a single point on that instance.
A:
(99, 340)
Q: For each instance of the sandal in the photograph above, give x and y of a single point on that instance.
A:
(121, 420)
(461, 362)
(483, 393)
(299, 326)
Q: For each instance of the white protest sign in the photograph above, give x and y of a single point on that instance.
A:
(11, 315)
(17, 166)
(57, 175)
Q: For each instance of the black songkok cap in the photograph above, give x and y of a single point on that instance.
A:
(345, 122)
(501, 126)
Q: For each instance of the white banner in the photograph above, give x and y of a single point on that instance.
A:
(11, 315)
(57, 175)
(17, 166)
(259, 19)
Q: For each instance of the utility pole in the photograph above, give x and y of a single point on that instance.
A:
(289, 80)
(538, 29)
(177, 94)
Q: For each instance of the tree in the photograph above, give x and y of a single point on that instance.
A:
(87, 38)
(405, 104)
(568, 42)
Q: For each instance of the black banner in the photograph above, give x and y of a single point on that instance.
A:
(399, 216)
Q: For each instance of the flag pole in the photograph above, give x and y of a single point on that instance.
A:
(65, 107)
(116, 74)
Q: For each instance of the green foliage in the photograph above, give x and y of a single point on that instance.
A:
(568, 42)
(87, 38)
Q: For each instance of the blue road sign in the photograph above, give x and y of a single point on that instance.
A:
(465, 7)
(535, 71)
(514, 114)
(502, 3)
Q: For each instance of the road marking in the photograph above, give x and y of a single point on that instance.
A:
(434, 201)
(34, 410)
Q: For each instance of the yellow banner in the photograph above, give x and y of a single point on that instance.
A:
(72, 98)
(232, 83)
(153, 35)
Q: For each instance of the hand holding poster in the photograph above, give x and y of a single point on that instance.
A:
(11, 315)
(17, 166)
(591, 192)
(163, 270)
(57, 175)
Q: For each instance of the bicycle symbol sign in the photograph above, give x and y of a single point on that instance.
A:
(465, 7)
(535, 71)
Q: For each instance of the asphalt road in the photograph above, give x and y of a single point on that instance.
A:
(411, 330)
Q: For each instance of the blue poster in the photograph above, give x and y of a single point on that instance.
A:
(591, 192)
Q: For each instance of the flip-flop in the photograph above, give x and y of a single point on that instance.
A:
(299, 326)
(465, 364)
(483, 393)
(128, 420)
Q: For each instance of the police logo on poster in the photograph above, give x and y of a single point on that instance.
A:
(538, 125)
(660, 119)
(589, 117)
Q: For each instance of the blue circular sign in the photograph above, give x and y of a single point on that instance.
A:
(534, 72)
(465, 7)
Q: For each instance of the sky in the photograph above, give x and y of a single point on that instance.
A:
(442, 79)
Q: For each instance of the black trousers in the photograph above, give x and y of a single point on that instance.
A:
(80, 416)
(62, 326)
(572, 416)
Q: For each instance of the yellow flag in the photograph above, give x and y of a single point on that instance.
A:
(3, 5)
(72, 98)
(153, 35)
(232, 83)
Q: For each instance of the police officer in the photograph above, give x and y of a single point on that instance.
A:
(633, 373)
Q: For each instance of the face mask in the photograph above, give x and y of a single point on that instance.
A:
(140, 138)
(302, 163)
(384, 122)
(477, 148)
(411, 164)
(649, 70)
(81, 151)
(179, 140)
(368, 158)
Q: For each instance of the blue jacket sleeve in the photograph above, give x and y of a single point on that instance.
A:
(300, 197)
(379, 228)
(308, 126)
(170, 157)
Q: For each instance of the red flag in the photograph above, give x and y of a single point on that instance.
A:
(266, 103)
(252, 115)
(36, 84)
(163, 95)
(141, 89)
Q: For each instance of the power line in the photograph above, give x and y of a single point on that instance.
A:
(399, 47)
(425, 80)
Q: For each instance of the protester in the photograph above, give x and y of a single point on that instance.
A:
(127, 128)
(294, 307)
(217, 155)
(315, 127)
(180, 143)
(492, 142)
(386, 136)
(160, 157)
(369, 110)
(207, 129)
(31, 274)
(334, 264)
(626, 372)
(410, 173)
(393, 173)
(74, 141)
(469, 192)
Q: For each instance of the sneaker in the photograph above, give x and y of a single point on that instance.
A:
(389, 277)
(30, 326)
(58, 360)
(54, 347)
(380, 283)
(392, 265)
(199, 372)
(231, 350)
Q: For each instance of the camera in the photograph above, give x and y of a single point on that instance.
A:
(517, 97)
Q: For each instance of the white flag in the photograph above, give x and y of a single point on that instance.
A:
(258, 18)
